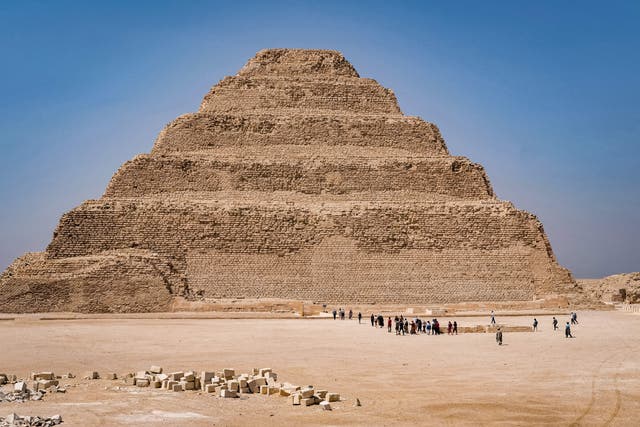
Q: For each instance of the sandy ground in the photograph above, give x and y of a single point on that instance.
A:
(534, 379)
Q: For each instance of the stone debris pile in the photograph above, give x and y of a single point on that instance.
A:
(12, 420)
(43, 382)
(229, 384)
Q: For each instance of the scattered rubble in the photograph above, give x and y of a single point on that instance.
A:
(226, 383)
(12, 420)
(229, 384)
(43, 382)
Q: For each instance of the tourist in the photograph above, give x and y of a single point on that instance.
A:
(389, 324)
(350, 314)
(499, 336)
(397, 326)
(359, 317)
(424, 326)
(555, 323)
(405, 330)
(535, 324)
(493, 318)
(428, 327)
(567, 331)
(455, 327)
(373, 320)
(449, 328)
(575, 318)
(418, 325)
(413, 327)
(335, 313)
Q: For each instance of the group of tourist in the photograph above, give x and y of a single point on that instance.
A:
(401, 324)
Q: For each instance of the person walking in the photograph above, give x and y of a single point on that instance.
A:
(567, 331)
(449, 328)
(455, 327)
(535, 324)
(335, 314)
(555, 323)
(350, 314)
(389, 325)
(499, 336)
(493, 318)
(428, 327)
(359, 317)
(373, 320)
(406, 327)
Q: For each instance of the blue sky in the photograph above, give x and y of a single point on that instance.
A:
(545, 95)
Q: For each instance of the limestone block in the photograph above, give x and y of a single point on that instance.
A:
(207, 376)
(295, 399)
(273, 390)
(307, 392)
(170, 384)
(234, 385)
(161, 377)
(325, 405)
(20, 386)
(307, 401)
(155, 369)
(242, 382)
(263, 371)
(245, 390)
(188, 376)
(111, 376)
(177, 387)
(228, 393)
(188, 385)
(264, 389)
(142, 382)
(210, 388)
(175, 376)
(92, 375)
(156, 384)
(321, 393)
(332, 397)
(228, 373)
(43, 376)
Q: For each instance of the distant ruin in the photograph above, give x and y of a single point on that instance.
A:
(296, 179)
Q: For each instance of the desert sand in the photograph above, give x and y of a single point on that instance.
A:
(535, 378)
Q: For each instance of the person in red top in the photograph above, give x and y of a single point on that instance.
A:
(389, 324)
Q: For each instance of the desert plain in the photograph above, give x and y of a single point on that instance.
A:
(535, 378)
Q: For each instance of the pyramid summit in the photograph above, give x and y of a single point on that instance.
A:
(296, 179)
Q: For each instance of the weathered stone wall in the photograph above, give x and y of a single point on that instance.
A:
(299, 180)
(203, 130)
(450, 176)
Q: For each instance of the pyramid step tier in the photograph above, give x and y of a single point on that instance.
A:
(203, 130)
(295, 168)
(172, 225)
(258, 93)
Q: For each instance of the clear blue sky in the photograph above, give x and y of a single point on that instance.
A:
(544, 94)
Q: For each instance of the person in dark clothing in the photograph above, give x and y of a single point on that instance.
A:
(335, 314)
(359, 317)
(449, 328)
(405, 330)
(389, 324)
(555, 323)
(350, 314)
(499, 336)
(535, 324)
(455, 327)
(373, 320)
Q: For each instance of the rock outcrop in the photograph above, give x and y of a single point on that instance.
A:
(296, 179)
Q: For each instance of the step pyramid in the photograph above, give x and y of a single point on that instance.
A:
(296, 179)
